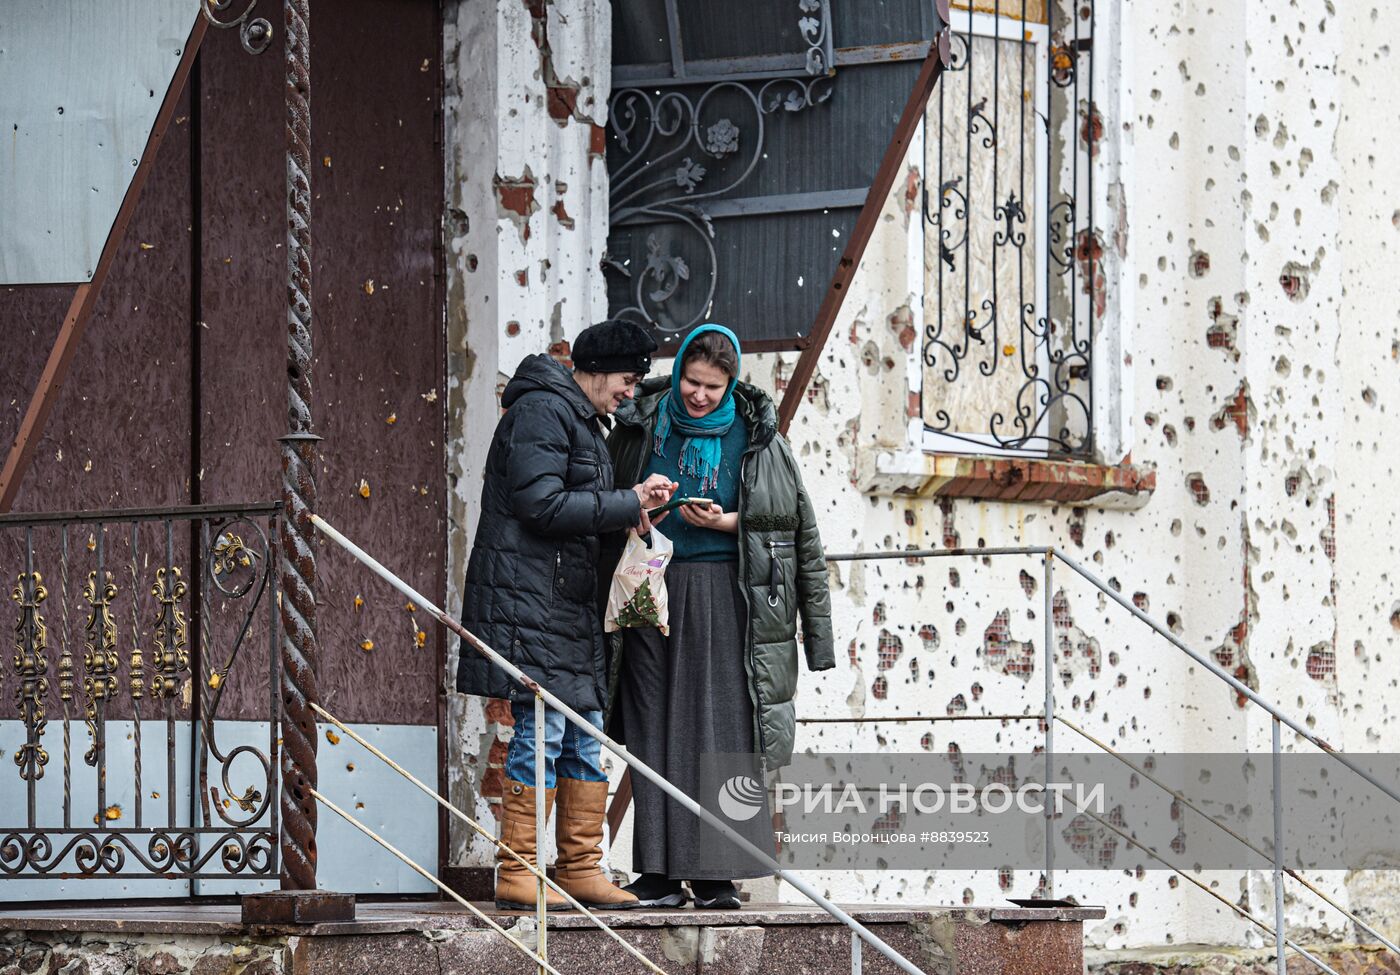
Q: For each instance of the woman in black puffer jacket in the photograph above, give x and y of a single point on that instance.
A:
(546, 498)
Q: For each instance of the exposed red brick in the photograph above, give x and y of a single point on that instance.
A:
(1235, 411)
(950, 534)
(498, 712)
(565, 221)
(880, 689)
(913, 186)
(1199, 264)
(512, 329)
(1322, 663)
(958, 705)
(1088, 251)
(1044, 480)
(515, 198)
(597, 141)
(902, 324)
(562, 353)
(517, 195)
(540, 23)
(1224, 329)
(522, 277)
(1200, 491)
(561, 101)
(1004, 654)
(889, 649)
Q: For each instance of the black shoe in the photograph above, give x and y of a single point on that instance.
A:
(656, 890)
(715, 895)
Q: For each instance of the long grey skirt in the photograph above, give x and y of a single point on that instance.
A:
(686, 712)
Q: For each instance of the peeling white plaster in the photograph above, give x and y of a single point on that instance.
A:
(1243, 142)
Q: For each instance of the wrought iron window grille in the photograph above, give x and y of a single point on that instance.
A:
(727, 191)
(1012, 274)
(676, 151)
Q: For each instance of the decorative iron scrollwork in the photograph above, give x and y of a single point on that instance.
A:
(234, 557)
(660, 173)
(815, 25)
(99, 656)
(171, 657)
(31, 664)
(255, 33)
(999, 294)
(154, 853)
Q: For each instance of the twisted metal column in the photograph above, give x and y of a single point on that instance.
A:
(297, 569)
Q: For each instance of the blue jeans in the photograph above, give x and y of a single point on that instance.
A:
(567, 751)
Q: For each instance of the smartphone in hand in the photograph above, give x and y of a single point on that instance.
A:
(676, 503)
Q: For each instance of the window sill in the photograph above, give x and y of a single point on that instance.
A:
(914, 473)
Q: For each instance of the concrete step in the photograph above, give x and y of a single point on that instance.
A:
(420, 938)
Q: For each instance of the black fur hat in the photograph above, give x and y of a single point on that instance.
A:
(616, 345)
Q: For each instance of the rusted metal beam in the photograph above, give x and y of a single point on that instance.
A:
(908, 124)
(41, 403)
(617, 809)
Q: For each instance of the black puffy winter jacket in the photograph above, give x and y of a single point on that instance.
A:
(532, 576)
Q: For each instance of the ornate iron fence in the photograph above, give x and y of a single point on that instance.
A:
(135, 631)
(1013, 285)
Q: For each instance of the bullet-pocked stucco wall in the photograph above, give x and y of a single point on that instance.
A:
(1250, 356)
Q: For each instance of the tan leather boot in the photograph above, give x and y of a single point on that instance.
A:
(516, 887)
(579, 833)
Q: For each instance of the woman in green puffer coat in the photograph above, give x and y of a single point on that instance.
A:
(744, 568)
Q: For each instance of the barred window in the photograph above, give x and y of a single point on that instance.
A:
(1012, 276)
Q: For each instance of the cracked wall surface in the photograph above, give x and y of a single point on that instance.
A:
(1248, 220)
(526, 87)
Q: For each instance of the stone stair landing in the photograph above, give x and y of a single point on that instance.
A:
(421, 938)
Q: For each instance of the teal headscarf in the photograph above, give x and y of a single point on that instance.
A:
(700, 454)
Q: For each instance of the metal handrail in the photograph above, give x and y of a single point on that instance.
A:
(1176, 794)
(480, 830)
(539, 957)
(1279, 719)
(543, 696)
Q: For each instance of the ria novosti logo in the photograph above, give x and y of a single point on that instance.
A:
(741, 798)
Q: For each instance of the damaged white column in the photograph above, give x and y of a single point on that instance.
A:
(525, 99)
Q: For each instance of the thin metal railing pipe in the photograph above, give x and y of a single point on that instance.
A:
(482, 831)
(1278, 720)
(1228, 830)
(937, 553)
(544, 965)
(1216, 894)
(636, 764)
(1049, 669)
(920, 718)
(1277, 761)
(1243, 689)
(189, 512)
(541, 814)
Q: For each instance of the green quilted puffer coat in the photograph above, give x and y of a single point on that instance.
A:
(782, 570)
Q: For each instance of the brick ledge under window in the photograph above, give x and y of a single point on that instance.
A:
(1019, 479)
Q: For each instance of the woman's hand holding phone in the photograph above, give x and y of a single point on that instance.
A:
(710, 515)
